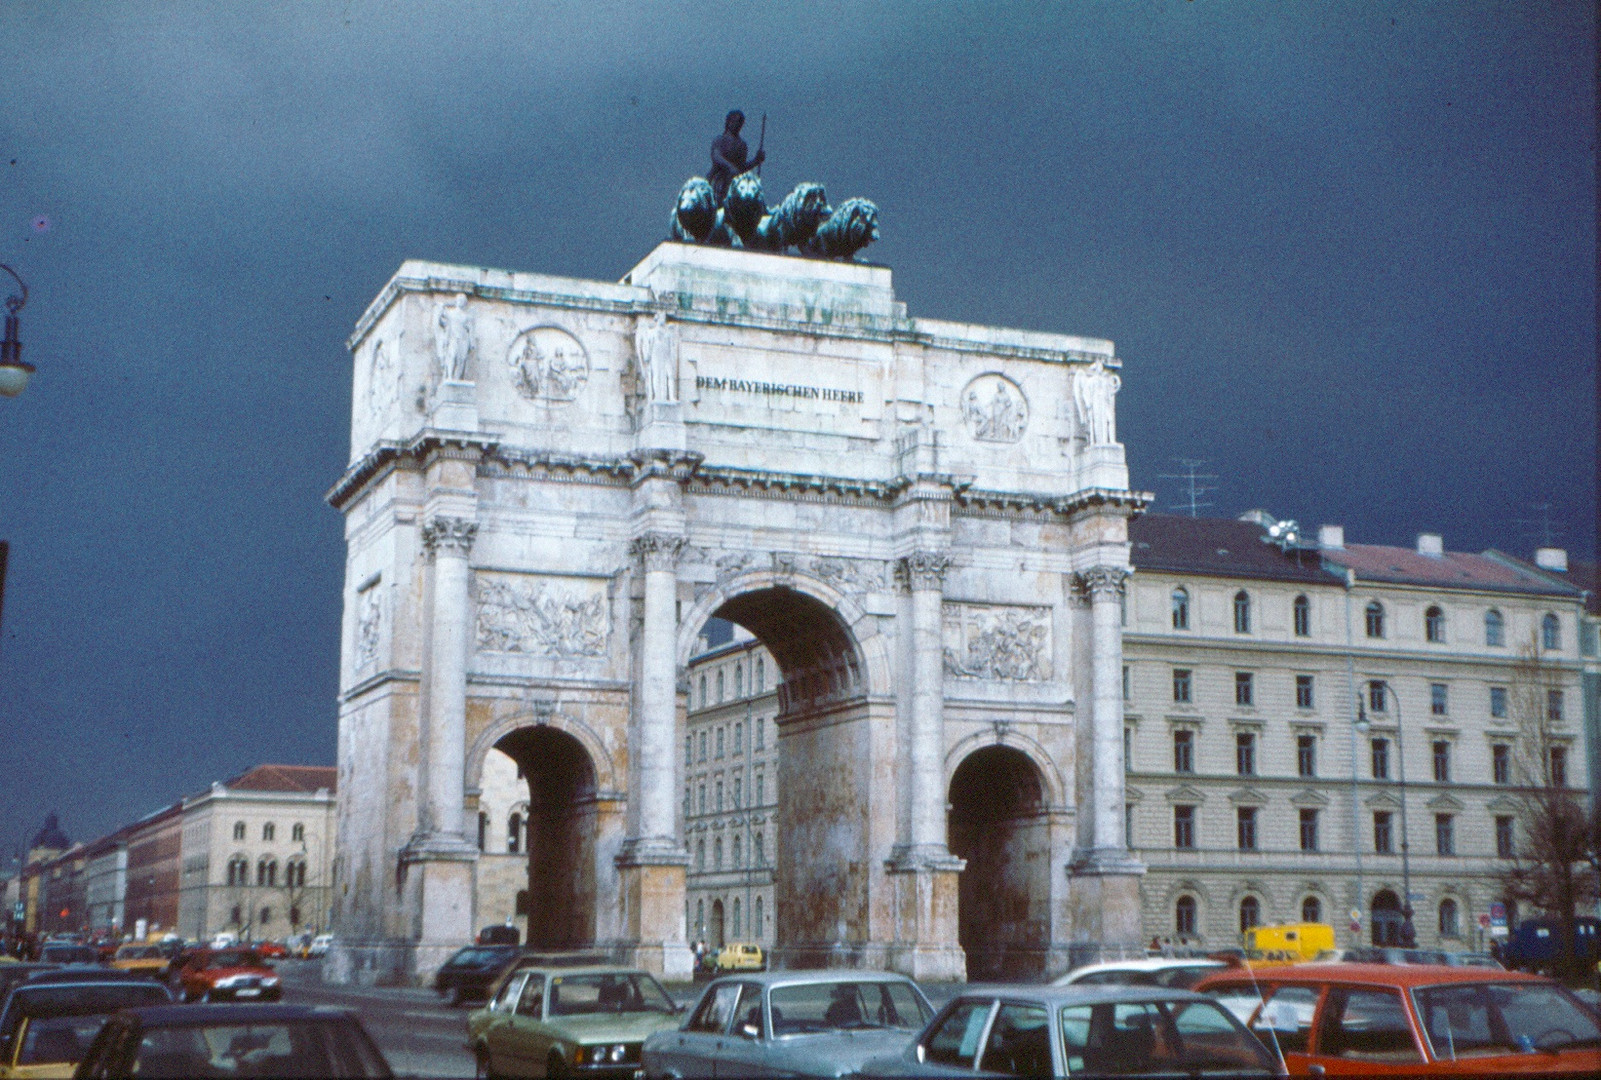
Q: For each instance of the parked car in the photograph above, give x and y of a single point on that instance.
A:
(547, 1020)
(65, 952)
(790, 1023)
(741, 956)
(145, 959)
(45, 1026)
(1178, 973)
(19, 972)
(499, 935)
(228, 975)
(319, 945)
(271, 950)
(1290, 943)
(469, 974)
(234, 1040)
(1413, 1019)
(1537, 945)
(1080, 1031)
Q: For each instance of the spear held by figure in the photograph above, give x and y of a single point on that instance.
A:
(761, 144)
(728, 155)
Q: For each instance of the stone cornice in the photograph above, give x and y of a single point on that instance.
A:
(398, 286)
(505, 461)
(380, 459)
(678, 465)
(730, 480)
(979, 499)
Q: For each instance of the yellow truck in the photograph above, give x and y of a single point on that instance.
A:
(1288, 943)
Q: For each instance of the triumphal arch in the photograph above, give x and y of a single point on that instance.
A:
(555, 483)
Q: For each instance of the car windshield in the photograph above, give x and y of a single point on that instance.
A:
(282, 1049)
(59, 1038)
(843, 1006)
(1132, 1037)
(620, 992)
(139, 952)
(477, 957)
(1485, 1019)
(78, 999)
(228, 958)
(1182, 978)
(69, 954)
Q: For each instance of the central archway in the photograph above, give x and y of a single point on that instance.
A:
(560, 830)
(997, 822)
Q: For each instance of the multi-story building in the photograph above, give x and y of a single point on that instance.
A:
(105, 885)
(155, 849)
(257, 854)
(1312, 727)
(731, 788)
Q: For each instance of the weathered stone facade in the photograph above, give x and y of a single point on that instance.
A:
(555, 483)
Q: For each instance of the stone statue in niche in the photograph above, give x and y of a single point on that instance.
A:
(994, 409)
(656, 345)
(1094, 398)
(453, 338)
(382, 387)
(548, 364)
(369, 624)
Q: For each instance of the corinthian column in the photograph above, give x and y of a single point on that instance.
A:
(658, 552)
(448, 541)
(923, 573)
(1104, 586)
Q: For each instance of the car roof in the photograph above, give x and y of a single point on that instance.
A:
(84, 973)
(807, 978)
(1150, 963)
(233, 1013)
(563, 971)
(1404, 975)
(1079, 995)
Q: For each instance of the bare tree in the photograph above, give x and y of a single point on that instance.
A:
(1554, 866)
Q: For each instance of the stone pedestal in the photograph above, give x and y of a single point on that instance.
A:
(925, 898)
(455, 407)
(653, 918)
(440, 884)
(1104, 893)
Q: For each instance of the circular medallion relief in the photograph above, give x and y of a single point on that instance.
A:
(995, 409)
(548, 364)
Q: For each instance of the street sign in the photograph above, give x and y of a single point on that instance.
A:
(1356, 915)
(1484, 921)
(1498, 912)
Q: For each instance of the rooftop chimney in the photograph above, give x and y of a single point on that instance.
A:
(1431, 544)
(1331, 537)
(1552, 559)
(1258, 517)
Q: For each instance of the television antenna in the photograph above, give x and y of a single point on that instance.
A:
(1195, 485)
(1539, 528)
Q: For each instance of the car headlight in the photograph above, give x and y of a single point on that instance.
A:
(618, 1052)
(226, 982)
(270, 980)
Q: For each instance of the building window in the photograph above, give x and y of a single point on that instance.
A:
(267, 873)
(1242, 688)
(1437, 699)
(1375, 619)
(719, 744)
(1553, 706)
(739, 792)
(238, 830)
(1242, 612)
(1448, 919)
(719, 796)
(483, 829)
(1383, 842)
(1559, 766)
(1245, 827)
(1494, 628)
(1245, 753)
(1312, 910)
(1128, 749)
(703, 691)
(739, 692)
(1303, 692)
(238, 871)
(761, 734)
(266, 916)
(761, 675)
(703, 746)
(739, 853)
(1309, 833)
(1501, 763)
(701, 796)
(700, 855)
(1250, 913)
(739, 927)
(756, 919)
(700, 918)
(269, 831)
(1184, 916)
(1125, 683)
(1303, 617)
(719, 688)
(236, 916)
(1181, 685)
(297, 832)
(717, 853)
(1503, 836)
(761, 789)
(295, 875)
(1184, 751)
(294, 915)
(739, 740)
(1184, 827)
(1444, 834)
(1306, 755)
(1550, 632)
(1434, 624)
(1498, 702)
(1377, 696)
(514, 834)
(761, 850)
(1381, 759)
(689, 749)
(689, 805)
(1181, 609)
(1442, 761)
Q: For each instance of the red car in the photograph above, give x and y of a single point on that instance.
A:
(228, 975)
(271, 950)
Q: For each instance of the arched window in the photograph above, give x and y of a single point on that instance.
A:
(1250, 913)
(483, 829)
(294, 915)
(700, 854)
(717, 854)
(1550, 632)
(1434, 623)
(295, 874)
(1303, 617)
(1181, 608)
(761, 676)
(236, 916)
(719, 688)
(700, 918)
(761, 851)
(1184, 916)
(739, 854)
(1494, 628)
(739, 681)
(238, 830)
(756, 919)
(514, 834)
(297, 832)
(1311, 909)
(1375, 619)
(266, 916)
(267, 873)
(1242, 612)
(703, 691)
(739, 739)
(739, 926)
(1448, 919)
(268, 831)
(239, 870)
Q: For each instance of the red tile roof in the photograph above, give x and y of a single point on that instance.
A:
(1221, 547)
(306, 778)
(1454, 569)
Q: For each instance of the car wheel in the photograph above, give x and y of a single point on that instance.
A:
(556, 1067)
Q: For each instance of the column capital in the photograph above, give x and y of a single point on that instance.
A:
(453, 535)
(657, 550)
(1101, 582)
(922, 570)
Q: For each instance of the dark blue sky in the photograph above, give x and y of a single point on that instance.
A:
(1346, 251)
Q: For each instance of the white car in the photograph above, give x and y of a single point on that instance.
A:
(319, 945)
(1175, 972)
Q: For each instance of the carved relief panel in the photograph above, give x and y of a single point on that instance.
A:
(535, 615)
(1010, 643)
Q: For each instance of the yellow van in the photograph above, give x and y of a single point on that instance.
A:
(741, 956)
(1288, 943)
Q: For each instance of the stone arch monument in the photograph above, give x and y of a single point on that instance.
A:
(553, 483)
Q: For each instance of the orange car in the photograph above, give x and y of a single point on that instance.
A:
(228, 975)
(1338, 1019)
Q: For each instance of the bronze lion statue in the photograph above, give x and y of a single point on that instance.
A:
(852, 226)
(795, 220)
(696, 213)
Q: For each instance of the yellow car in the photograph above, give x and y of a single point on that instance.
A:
(741, 956)
(146, 958)
(49, 1047)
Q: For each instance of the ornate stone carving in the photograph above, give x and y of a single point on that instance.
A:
(922, 570)
(382, 388)
(540, 620)
(452, 535)
(1101, 581)
(731, 566)
(656, 345)
(548, 364)
(1004, 643)
(1094, 395)
(994, 408)
(658, 551)
(850, 575)
(454, 342)
(369, 627)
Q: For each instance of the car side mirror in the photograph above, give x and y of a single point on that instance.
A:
(750, 1031)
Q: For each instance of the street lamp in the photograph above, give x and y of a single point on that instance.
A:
(14, 370)
(1408, 930)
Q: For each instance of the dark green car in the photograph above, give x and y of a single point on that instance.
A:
(568, 1021)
